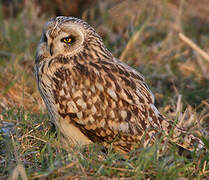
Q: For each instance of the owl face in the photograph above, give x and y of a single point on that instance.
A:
(64, 36)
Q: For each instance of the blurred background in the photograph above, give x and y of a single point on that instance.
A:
(142, 33)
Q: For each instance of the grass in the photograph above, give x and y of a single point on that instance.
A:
(43, 157)
(149, 42)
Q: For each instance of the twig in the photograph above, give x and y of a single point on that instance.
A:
(202, 67)
(60, 170)
(25, 135)
(194, 46)
(82, 169)
(37, 138)
(66, 167)
(179, 106)
(120, 169)
(19, 169)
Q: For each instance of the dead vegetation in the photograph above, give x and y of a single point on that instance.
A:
(144, 34)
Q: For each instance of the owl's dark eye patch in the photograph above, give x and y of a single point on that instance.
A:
(68, 40)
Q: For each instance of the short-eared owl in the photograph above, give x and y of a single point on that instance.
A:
(93, 97)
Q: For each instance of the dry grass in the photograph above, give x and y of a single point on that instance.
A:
(146, 36)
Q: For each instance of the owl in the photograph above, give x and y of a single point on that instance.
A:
(93, 97)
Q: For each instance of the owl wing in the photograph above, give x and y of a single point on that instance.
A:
(106, 100)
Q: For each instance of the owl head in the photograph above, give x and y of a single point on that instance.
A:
(67, 36)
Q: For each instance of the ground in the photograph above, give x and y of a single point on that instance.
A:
(144, 34)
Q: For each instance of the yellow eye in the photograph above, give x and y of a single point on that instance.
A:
(67, 40)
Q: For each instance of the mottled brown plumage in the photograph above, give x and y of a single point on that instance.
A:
(92, 96)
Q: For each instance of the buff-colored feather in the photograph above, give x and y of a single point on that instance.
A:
(92, 96)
